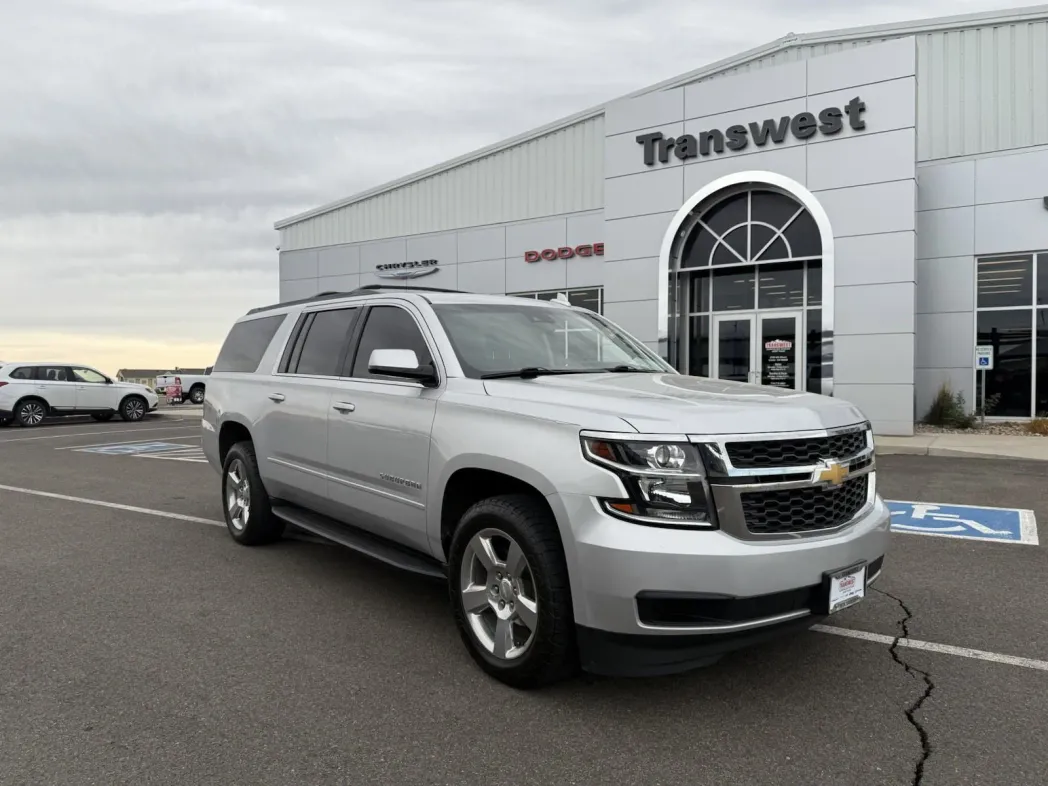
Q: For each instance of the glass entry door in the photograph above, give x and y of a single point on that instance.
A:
(780, 350)
(734, 348)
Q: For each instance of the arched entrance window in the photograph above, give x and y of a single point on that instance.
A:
(746, 281)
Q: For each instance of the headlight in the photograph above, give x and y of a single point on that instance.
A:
(666, 481)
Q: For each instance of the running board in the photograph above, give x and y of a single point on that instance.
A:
(360, 541)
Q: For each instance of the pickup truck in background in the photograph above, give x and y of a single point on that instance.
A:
(193, 385)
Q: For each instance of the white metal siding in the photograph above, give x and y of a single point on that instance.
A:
(561, 172)
(980, 90)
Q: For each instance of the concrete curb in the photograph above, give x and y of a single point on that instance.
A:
(923, 450)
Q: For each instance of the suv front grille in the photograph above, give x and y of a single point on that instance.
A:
(766, 454)
(791, 511)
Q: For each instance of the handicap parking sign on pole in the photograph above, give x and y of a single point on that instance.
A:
(969, 522)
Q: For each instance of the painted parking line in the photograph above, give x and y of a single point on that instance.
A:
(193, 454)
(861, 635)
(70, 434)
(967, 522)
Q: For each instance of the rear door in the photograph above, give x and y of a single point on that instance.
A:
(379, 431)
(55, 385)
(294, 427)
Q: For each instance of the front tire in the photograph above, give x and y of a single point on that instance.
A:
(133, 409)
(249, 515)
(510, 593)
(30, 413)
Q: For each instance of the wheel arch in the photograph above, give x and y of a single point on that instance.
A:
(469, 481)
(230, 433)
(30, 397)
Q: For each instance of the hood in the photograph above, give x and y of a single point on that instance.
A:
(678, 404)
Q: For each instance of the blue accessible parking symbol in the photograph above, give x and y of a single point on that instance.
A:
(1004, 525)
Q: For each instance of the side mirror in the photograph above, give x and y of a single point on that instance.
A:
(403, 364)
(109, 380)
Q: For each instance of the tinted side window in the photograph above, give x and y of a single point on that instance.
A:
(327, 337)
(389, 327)
(25, 372)
(52, 374)
(246, 344)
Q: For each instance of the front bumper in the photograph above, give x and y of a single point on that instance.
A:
(651, 601)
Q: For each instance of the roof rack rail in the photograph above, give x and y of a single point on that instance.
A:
(368, 288)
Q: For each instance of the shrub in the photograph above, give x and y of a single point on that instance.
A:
(1038, 426)
(949, 410)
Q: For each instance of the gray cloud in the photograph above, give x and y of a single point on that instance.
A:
(146, 149)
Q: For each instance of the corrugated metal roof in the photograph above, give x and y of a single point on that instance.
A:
(789, 41)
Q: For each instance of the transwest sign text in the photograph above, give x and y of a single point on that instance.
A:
(803, 126)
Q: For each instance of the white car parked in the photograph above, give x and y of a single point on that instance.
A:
(30, 392)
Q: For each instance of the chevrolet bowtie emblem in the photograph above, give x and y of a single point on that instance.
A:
(834, 473)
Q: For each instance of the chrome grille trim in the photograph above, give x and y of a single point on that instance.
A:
(729, 483)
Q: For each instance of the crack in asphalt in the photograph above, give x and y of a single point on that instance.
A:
(929, 686)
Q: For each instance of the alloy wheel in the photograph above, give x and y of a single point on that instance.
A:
(238, 495)
(499, 597)
(32, 413)
(135, 409)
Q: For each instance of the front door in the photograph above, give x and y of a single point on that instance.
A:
(734, 348)
(93, 392)
(780, 350)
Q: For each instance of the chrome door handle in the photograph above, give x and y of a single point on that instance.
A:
(277, 397)
(344, 407)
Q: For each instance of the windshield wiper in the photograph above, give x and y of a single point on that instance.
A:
(628, 370)
(533, 371)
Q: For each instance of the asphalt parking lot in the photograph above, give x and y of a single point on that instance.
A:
(139, 644)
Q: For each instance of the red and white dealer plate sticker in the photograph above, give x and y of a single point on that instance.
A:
(847, 587)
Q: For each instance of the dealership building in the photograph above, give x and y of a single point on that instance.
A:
(850, 213)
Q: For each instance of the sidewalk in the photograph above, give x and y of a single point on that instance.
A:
(967, 445)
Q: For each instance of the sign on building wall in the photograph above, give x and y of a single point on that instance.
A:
(804, 125)
(565, 252)
(419, 267)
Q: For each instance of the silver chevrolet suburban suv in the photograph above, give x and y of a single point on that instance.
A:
(586, 504)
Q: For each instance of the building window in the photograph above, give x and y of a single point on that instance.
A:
(1012, 317)
(583, 297)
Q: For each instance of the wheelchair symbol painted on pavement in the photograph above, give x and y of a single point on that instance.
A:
(1004, 525)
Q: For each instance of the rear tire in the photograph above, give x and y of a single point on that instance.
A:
(30, 413)
(196, 395)
(133, 409)
(245, 503)
(515, 617)
(103, 417)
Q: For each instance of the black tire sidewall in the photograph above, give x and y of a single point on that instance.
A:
(262, 525)
(193, 393)
(535, 667)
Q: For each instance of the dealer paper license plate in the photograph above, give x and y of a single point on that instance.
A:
(847, 587)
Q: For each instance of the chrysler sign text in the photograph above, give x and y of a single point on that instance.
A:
(802, 126)
(565, 252)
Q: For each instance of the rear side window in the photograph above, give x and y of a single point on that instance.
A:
(389, 327)
(326, 336)
(246, 344)
(23, 372)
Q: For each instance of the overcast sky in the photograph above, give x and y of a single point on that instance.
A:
(147, 146)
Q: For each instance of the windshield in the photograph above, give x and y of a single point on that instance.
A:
(497, 337)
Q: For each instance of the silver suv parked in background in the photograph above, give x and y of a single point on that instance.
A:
(585, 503)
